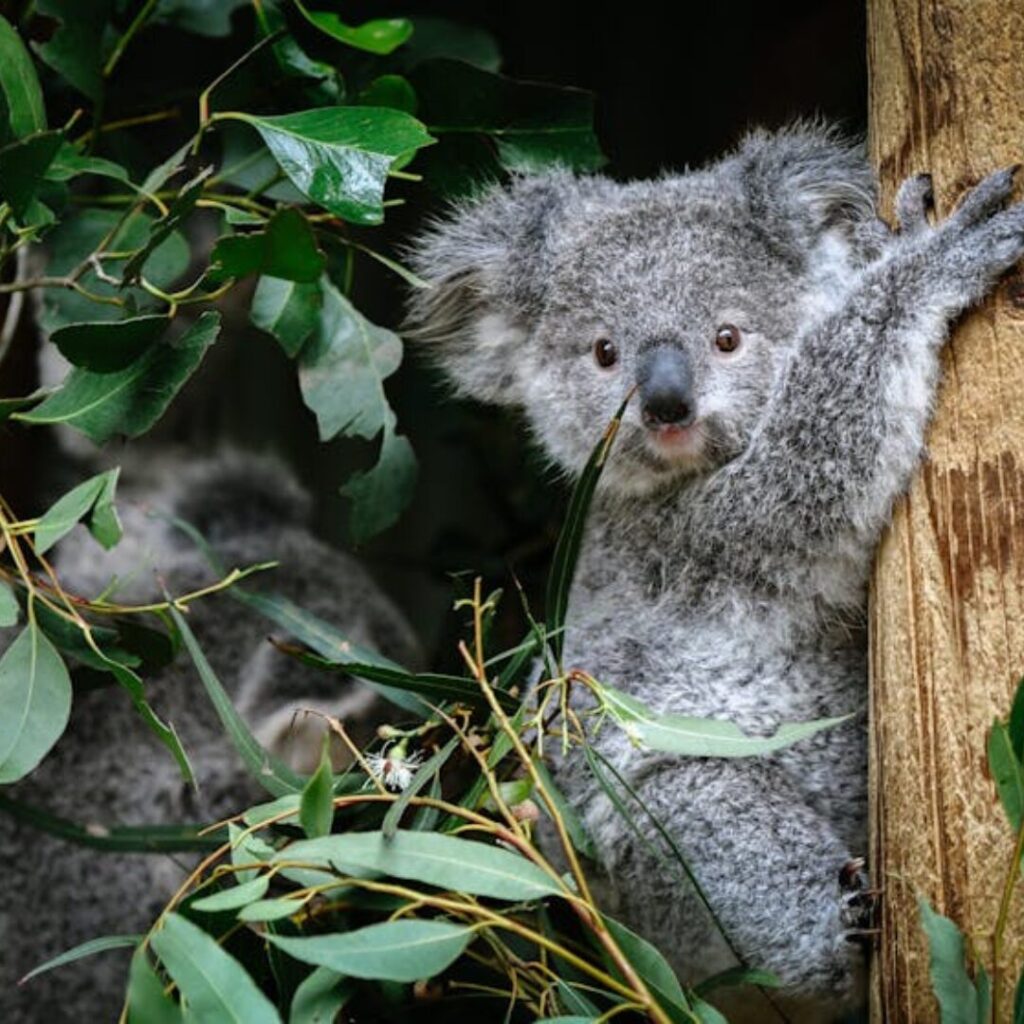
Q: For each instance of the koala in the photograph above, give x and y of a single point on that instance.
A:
(784, 347)
(108, 770)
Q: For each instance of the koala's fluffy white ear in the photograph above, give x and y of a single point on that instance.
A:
(810, 180)
(486, 263)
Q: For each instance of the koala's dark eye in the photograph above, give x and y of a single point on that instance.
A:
(605, 353)
(727, 338)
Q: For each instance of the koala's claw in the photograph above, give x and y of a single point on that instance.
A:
(913, 202)
(988, 196)
(857, 902)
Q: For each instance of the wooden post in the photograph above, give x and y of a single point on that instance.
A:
(947, 608)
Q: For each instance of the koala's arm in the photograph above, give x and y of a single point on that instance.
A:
(845, 426)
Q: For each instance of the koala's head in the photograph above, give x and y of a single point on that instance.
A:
(558, 295)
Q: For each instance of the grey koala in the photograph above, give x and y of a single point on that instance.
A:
(108, 770)
(785, 347)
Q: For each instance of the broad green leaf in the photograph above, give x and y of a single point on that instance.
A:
(160, 230)
(22, 166)
(271, 910)
(699, 737)
(533, 125)
(94, 498)
(203, 17)
(440, 37)
(392, 951)
(649, 964)
(1007, 772)
(106, 347)
(426, 773)
(957, 996)
(339, 157)
(392, 91)
(129, 401)
(573, 825)
(1016, 724)
(287, 310)
(324, 83)
(9, 406)
(84, 949)
(213, 983)
(247, 848)
(707, 1014)
(78, 48)
(287, 249)
(234, 896)
(448, 862)
(319, 998)
(316, 807)
(70, 163)
(342, 370)
(567, 549)
(24, 112)
(380, 36)
(35, 694)
(573, 999)
(734, 976)
(147, 1001)
(269, 771)
(9, 610)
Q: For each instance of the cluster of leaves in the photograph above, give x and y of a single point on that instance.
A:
(978, 1001)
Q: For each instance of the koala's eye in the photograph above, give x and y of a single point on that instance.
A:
(727, 338)
(605, 353)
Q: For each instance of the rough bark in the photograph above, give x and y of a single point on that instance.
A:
(947, 609)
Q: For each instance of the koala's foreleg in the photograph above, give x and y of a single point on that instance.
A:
(845, 427)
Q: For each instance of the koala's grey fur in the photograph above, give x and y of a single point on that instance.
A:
(108, 770)
(726, 578)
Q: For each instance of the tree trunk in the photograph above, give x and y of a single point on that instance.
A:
(947, 607)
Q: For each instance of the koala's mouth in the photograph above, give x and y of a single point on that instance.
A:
(677, 445)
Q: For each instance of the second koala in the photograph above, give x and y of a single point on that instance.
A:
(784, 345)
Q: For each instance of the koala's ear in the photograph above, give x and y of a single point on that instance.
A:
(486, 264)
(806, 180)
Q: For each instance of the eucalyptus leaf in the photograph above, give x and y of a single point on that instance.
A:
(380, 36)
(35, 694)
(203, 17)
(1016, 723)
(9, 610)
(287, 310)
(381, 493)
(271, 910)
(733, 976)
(106, 347)
(405, 950)
(234, 896)
(216, 987)
(316, 807)
(91, 499)
(957, 996)
(339, 157)
(69, 163)
(1007, 772)
(127, 402)
(77, 48)
(247, 848)
(84, 949)
(699, 737)
(425, 774)
(389, 91)
(707, 1014)
(146, 999)
(319, 998)
(1018, 1000)
(23, 165)
(649, 964)
(286, 249)
(573, 824)
(24, 111)
(448, 862)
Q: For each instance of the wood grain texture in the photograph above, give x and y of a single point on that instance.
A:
(947, 607)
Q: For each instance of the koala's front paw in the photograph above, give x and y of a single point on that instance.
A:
(962, 258)
(857, 903)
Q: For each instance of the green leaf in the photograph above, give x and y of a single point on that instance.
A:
(316, 808)
(83, 950)
(108, 347)
(287, 310)
(260, 813)
(271, 910)
(35, 694)
(246, 848)
(567, 549)
(573, 825)
(270, 772)
(707, 1014)
(93, 498)
(324, 83)
(160, 230)
(1007, 772)
(339, 157)
(70, 163)
(958, 999)
(533, 125)
(24, 111)
(147, 1001)
(287, 249)
(9, 406)
(77, 49)
(203, 17)
(213, 983)
(319, 998)
(1016, 724)
(427, 772)
(440, 37)
(22, 167)
(733, 976)
(392, 951)
(699, 737)
(380, 36)
(569, 1020)
(392, 91)
(1018, 1000)
(234, 896)
(448, 862)
(129, 401)
(341, 373)
(649, 964)
(9, 610)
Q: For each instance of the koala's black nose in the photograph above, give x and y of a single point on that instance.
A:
(666, 387)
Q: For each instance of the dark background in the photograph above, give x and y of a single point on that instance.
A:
(668, 96)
